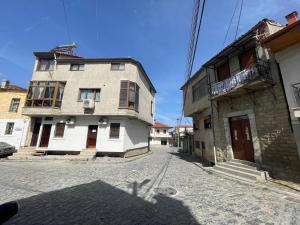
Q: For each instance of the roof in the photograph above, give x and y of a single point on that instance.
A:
(160, 125)
(13, 88)
(283, 38)
(78, 59)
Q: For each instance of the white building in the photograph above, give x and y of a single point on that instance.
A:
(160, 134)
(13, 126)
(105, 104)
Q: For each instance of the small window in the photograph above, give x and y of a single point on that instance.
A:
(197, 143)
(59, 130)
(196, 125)
(46, 64)
(9, 128)
(207, 123)
(93, 94)
(165, 131)
(117, 66)
(151, 108)
(77, 67)
(114, 131)
(203, 145)
(14, 105)
(157, 131)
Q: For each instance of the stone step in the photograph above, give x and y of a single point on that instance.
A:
(252, 170)
(241, 165)
(245, 163)
(243, 175)
(233, 176)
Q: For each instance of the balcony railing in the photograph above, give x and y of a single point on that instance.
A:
(260, 71)
(296, 88)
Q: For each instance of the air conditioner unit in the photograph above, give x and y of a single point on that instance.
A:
(103, 121)
(70, 121)
(88, 104)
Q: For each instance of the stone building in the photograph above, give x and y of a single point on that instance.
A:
(13, 125)
(249, 111)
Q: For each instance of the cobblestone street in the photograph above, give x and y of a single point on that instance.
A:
(161, 188)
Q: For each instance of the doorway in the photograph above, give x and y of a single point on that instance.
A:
(45, 135)
(35, 132)
(241, 138)
(92, 136)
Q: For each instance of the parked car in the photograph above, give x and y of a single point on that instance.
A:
(6, 149)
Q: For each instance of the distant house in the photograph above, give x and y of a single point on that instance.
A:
(104, 105)
(160, 134)
(285, 44)
(13, 125)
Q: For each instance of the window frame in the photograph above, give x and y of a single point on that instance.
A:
(50, 62)
(12, 104)
(55, 99)
(94, 94)
(63, 130)
(112, 65)
(126, 91)
(207, 123)
(111, 134)
(10, 129)
(200, 89)
(78, 66)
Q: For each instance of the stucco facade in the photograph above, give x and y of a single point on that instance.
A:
(132, 129)
(19, 121)
(160, 134)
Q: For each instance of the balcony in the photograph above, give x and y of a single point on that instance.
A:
(256, 77)
(296, 88)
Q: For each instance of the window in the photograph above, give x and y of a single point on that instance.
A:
(114, 130)
(9, 128)
(117, 66)
(93, 94)
(223, 71)
(165, 131)
(14, 105)
(157, 131)
(196, 125)
(151, 108)
(46, 64)
(247, 59)
(197, 143)
(203, 145)
(207, 123)
(45, 94)
(200, 89)
(77, 67)
(129, 95)
(59, 130)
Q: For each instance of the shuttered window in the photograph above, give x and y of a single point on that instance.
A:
(223, 71)
(129, 95)
(114, 131)
(59, 130)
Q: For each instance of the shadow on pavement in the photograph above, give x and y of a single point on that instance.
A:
(100, 203)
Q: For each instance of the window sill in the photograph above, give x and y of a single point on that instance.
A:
(58, 138)
(114, 139)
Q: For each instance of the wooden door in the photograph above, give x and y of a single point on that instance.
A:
(45, 135)
(247, 59)
(241, 138)
(223, 71)
(35, 133)
(92, 136)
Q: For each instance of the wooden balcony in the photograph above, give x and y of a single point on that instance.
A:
(254, 78)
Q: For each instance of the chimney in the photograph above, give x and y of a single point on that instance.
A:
(4, 83)
(292, 17)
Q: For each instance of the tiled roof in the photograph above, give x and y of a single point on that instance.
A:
(13, 88)
(160, 125)
(185, 126)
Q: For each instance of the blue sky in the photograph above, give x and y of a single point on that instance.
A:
(156, 32)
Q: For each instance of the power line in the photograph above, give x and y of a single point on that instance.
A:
(238, 24)
(193, 44)
(230, 22)
(66, 20)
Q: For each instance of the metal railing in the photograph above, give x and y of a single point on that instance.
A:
(260, 70)
(296, 88)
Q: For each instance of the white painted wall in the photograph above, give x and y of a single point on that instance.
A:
(18, 136)
(133, 134)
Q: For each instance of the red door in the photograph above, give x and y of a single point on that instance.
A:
(247, 59)
(92, 136)
(223, 71)
(45, 135)
(241, 138)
